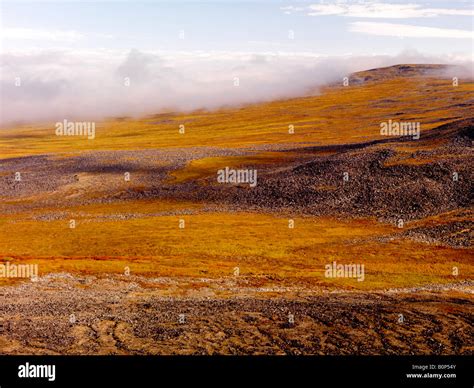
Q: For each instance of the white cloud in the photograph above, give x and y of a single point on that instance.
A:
(89, 85)
(383, 10)
(34, 34)
(406, 30)
(291, 9)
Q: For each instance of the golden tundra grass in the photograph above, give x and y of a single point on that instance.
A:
(213, 244)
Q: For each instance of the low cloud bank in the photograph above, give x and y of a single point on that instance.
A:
(91, 85)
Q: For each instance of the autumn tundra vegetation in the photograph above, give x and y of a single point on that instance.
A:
(339, 222)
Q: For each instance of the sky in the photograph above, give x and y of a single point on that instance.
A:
(323, 27)
(187, 54)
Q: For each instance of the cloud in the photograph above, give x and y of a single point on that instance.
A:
(406, 30)
(35, 34)
(90, 85)
(291, 9)
(382, 10)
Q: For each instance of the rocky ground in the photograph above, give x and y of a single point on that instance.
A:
(374, 187)
(314, 185)
(62, 314)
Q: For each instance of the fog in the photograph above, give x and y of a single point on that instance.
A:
(40, 86)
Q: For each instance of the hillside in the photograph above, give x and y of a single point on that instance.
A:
(156, 233)
(337, 115)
